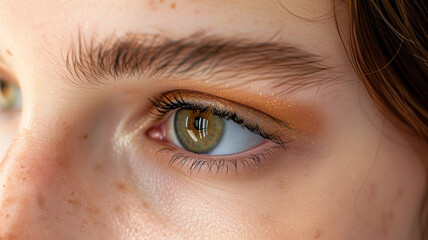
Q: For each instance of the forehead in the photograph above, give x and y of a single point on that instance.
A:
(59, 19)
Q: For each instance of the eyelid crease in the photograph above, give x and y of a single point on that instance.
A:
(266, 126)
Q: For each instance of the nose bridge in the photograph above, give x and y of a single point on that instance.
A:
(31, 176)
(35, 157)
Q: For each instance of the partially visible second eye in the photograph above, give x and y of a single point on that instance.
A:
(203, 132)
(10, 96)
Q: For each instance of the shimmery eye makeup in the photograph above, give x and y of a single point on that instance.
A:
(212, 133)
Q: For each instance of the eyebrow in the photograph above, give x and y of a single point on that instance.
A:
(198, 56)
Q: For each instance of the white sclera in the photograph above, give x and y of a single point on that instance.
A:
(235, 139)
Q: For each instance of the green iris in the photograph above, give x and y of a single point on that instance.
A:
(198, 132)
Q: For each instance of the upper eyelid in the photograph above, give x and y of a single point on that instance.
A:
(265, 125)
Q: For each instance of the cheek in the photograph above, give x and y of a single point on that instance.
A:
(392, 193)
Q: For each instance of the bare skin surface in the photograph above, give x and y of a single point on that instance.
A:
(78, 163)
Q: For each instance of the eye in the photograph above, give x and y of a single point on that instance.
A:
(10, 106)
(203, 132)
(214, 133)
(10, 96)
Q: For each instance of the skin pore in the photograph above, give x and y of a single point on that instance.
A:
(79, 162)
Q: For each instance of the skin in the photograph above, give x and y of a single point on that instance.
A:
(79, 168)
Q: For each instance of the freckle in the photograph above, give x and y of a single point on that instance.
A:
(72, 194)
(400, 193)
(389, 215)
(93, 210)
(7, 216)
(173, 5)
(41, 201)
(98, 168)
(84, 136)
(161, 1)
(9, 52)
(145, 204)
(121, 186)
(153, 5)
(117, 209)
(318, 234)
(75, 203)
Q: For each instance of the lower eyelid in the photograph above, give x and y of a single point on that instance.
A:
(237, 165)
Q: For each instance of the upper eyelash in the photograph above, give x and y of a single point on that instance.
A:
(165, 104)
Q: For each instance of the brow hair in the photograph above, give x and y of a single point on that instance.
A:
(196, 56)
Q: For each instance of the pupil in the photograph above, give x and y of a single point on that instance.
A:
(197, 123)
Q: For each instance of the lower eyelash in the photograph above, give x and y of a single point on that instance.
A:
(195, 164)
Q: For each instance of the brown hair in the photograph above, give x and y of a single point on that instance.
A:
(388, 41)
(387, 45)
